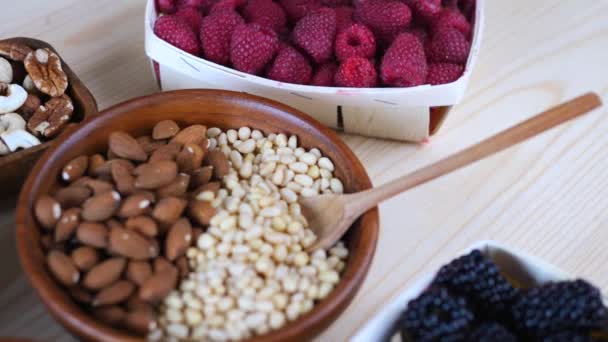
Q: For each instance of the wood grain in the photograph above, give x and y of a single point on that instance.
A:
(548, 196)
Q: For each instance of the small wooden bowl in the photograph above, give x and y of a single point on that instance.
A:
(16, 166)
(213, 108)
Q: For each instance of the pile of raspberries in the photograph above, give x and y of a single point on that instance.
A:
(343, 43)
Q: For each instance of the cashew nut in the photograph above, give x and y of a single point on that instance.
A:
(12, 99)
(10, 122)
(16, 139)
(6, 71)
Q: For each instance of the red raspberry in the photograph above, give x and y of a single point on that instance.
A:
(221, 5)
(386, 18)
(290, 66)
(335, 3)
(344, 17)
(441, 73)
(448, 45)
(449, 3)
(265, 13)
(298, 9)
(468, 8)
(424, 9)
(356, 72)
(202, 5)
(165, 6)
(421, 34)
(355, 41)
(177, 32)
(315, 34)
(451, 18)
(192, 16)
(324, 76)
(252, 47)
(216, 32)
(404, 63)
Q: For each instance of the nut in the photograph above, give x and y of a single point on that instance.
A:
(80, 294)
(47, 212)
(158, 286)
(125, 146)
(52, 117)
(178, 239)
(190, 158)
(12, 97)
(143, 224)
(138, 271)
(201, 176)
(202, 212)
(149, 145)
(30, 87)
(14, 51)
(73, 196)
(154, 175)
(92, 234)
(219, 162)
(32, 103)
(168, 210)
(134, 205)
(67, 224)
(104, 274)
(75, 169)
(177, 188)
(166, 152)
(141, 320)
(194, 134)
(111, 315)
(44, 67)
(114, 294)
(85, 257)
(101, 207)
(6, 71)
(62, 268)
(129, 243)
(164, 129)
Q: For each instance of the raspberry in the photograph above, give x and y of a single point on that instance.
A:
(468, 8)
(404, 63)
(344, 17)
(221, 5)
(451, 18)
(202, 5)
(441, 73)
(448, 45)
(165, 6)
(335, 3)
(215, 34)
(315, 34)
(298, 9)
(252, 47)
(386, 18)
(190, 15)
(265, 13)
(355, 41)
(425, 9)
(491, 332)
(449, 3)
(356, 72)
(290, 66)
(177, 32)
(324, 76)
(421, 34)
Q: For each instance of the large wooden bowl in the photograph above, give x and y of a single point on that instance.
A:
(16, 166)
(213, 108)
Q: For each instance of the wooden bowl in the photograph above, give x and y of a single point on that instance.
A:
(213, 108)
(16, 166)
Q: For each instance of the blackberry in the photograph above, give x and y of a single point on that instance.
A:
(492, 332)
(570, 305)
(436, 316)
(479, 280)
(566, 336)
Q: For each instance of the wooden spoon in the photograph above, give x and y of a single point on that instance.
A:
(331, 215)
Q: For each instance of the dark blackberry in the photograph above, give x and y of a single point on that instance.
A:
(479, 280)
(436, 316)
(570, 305)
(492, 332)
(566, 336)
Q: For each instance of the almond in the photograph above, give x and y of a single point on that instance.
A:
(75, 169)
(212, 187)
(168, 210)
(113, 223)
(165, 129)
(150, 145)
(92, 234)
(101, 207)
(98, 186)
(159, 285)
(178, 239)
(192, 134)
(80, 295)
(155, 174)
(190, 158)
(161, 264)
(47, 241)
(177, 188)
(138, 271)
(143, 224)
(95, 161)
(141, 321)
(201, 176)
(62, 268)
(114, 294)
(202, 212)
(111, 315)
(134, 205)
(85, 257)
(167, 152)
(196, 232)
(149, 195)
(73, 195)
(125, 182)
(104, 274)
(135, 303)
(67, 224)
(218, 160)
(130, 244)
(125, 146)
(47, 211)
(105, 170)
(183, 267)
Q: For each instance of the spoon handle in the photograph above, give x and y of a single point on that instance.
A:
(542, 122)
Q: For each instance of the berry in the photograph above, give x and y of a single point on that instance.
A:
(252, 47)
(355, 41)
(425, 9)
(448, 45)
(404, 63)
(315, 34)
(441, 73)
(324, 76)
(265, 13)
(298, 9)
(550, 308)
(177, 32)
(479, 280)
(344, 17)
(221, 5)
(335, 3)
(436, 316)
(467, 7)
(165, 6)
(491, 332)
(567, 336)
(192, 16)
(386, 18)
(201, 5)
(290, 66)
(451, 18)
(421, 34)
(356, 72)
(450, 3)
(216, 33)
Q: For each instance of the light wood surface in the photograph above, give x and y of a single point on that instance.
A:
(548, 196)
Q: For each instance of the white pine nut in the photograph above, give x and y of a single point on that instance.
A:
(244, 133)
(213, 132)
(308, 158)
(232, 135)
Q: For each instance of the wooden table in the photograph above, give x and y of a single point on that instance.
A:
(548, 197)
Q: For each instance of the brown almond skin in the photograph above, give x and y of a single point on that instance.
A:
(85, 257)
(134, 205)
(161, 264)
(80, 295)
(75, 169)
(114, 294)
(190, 135)
(105, 170)
(182, 267)
(220, 163)
(150, 145)
(110, 315)
(47, 211)
(69, 221)
(201, 212)
(62, 268)
(168, 210)
(125, 182)
(178, 239)
(140, 320)
(47, 241)
(98, 186)
(112, 223)
(104, 273)
(73, 196)
(154, 175)
(177, 188)
(144, 225)
(101, 207)
(165, 129)
(130, 244)
(135, 303)
(92, 234)
(190, 158)
(200, 176)
(196, 232)
(124, 145)
(211, 186)
(95, 161)
(159, 285)
(167, 152)
(138, 271)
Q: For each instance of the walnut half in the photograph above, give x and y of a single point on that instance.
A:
(14, 51)
(44, 68)
(50, 118)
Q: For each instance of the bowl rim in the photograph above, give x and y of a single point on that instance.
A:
(84, 326)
